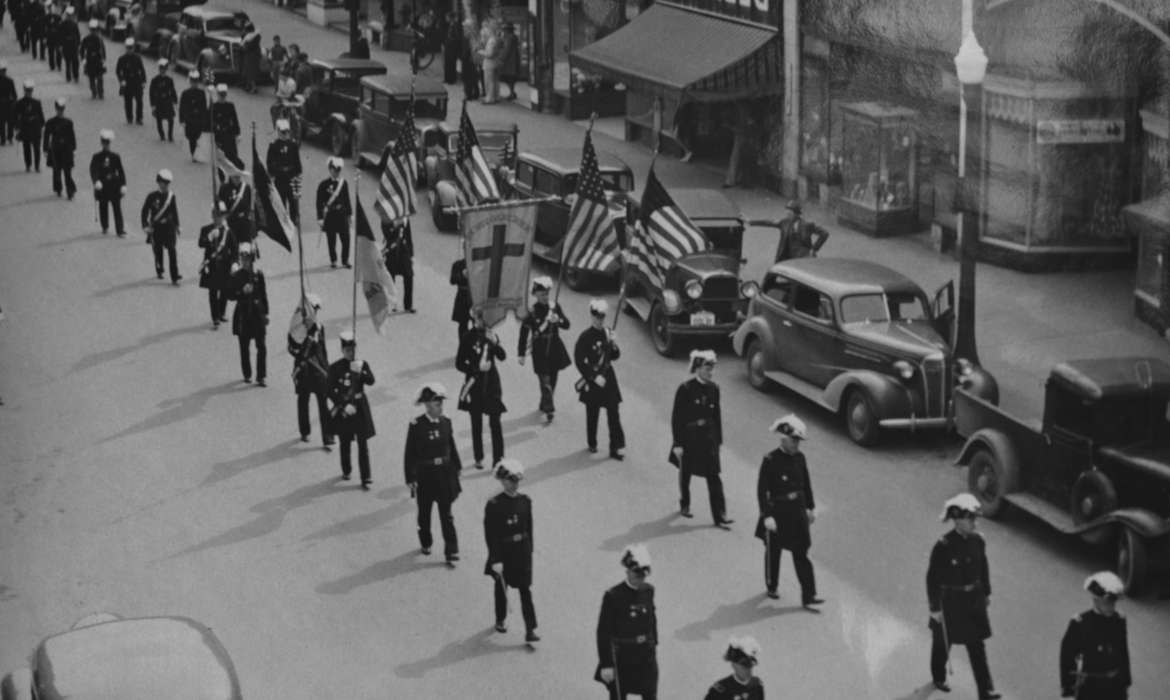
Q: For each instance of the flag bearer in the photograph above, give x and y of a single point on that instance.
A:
(220, 249)
(250, 318)
(507, 527)
(311, 371)
(399, 256)
(431, 463)
(350, 416)
(482, 393)
(284, 165)
(236, 195)
(542, 329)
(594, 354)
(109, 184)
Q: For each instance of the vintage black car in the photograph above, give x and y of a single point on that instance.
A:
(439, 141)
(384, 99)
(702, 296)
(210, 39)
(333, 98)
(1098, 466)
(104, 656)
(861, 340)
(151, 23)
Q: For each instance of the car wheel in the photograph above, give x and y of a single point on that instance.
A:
(860, 419)
(664, 341)
(1132, 560)
(577, 279)
(339, 140)
(1093, 496)
(754, 360)
(989, 479)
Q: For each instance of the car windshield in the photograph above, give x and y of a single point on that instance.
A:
(220, 24)
(610, 182)
(883, 308)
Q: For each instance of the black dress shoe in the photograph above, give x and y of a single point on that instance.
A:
(247, 380)
(724, 522)
(990, 695)
(345, 477)
(773, 594)
(942, 685)
(425, 550)
(531, 637)
(453, 556)
(686, 513)
(159, 275)
(615, 454)
(304, 438)
(812, 601)
(593, 449)
(259, 382)
(365, 486)
(501, 627)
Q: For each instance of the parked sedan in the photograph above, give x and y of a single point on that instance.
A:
(150, 23)
(439, 142)
(861, 340)
(210, 39)
(331, 101)
(384, 99)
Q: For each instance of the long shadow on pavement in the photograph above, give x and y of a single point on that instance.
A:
(421, 370)
(725, 617)
(382, 571)
(552, 468)
(364, 522)
(128, 286)
(920, 693)
(80, 238)
(175, 410)
(234, 467)
(642, 532)
(296, 273)
(99, 358)
(474, 646)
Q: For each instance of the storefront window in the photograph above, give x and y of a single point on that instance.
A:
(878, 167)
(576, 25)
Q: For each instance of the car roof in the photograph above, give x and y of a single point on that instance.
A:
(841, 276)
(568, 160)
(350, 64)
(400, 85)
(153, 657)
(1113, 377)
(212, 12)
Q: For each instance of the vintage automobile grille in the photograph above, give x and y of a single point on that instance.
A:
(720, 296)
(935, 377)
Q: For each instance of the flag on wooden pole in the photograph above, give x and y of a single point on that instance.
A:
(270, 215)
(370, 270)
(591, 240)
(473, 176)
(664, 233)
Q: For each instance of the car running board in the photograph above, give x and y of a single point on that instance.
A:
(796, 384)
(640, 307)
(1054, 516)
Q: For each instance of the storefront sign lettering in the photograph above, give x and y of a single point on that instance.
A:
(1072, 131)
(761, 11)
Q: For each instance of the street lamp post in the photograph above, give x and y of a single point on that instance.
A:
(971, 68)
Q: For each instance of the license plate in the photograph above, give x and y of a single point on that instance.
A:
(703, 318)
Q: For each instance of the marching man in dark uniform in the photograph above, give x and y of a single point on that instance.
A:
(163, 99)
(743, 653)
(250, 318)
(787, 509)
(350, 416)
(399, 257)
(225, 125)
(34, 17)
(482, 392)
(697, 433)
(334, 210)
(237, 197)
(958, 587)
(131, 75)
(193, 113)
(461, 308)
(52, 23)
(431, 463)
(549, 356)
(284, 165)
(627, 632)
(594, 354)
(507, 527)
(7, 104)
(69, 41)
(93, 52)
(60, 144)
(311, 371)
(1094, 652)
(109, 184)
(798, 238)
(29, 118)
(219, 251)
(160, 221)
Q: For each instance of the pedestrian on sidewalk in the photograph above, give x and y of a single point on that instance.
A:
(93, 52)
(743, 653)
(350, 417)
(29, 117)
(452, 48)
(194, 113)
(251, 51)
(627, 632)
(284, 165)
(334, 211)
(131, 81)
(540, 333)
(509, 59)
(160, 222)
(461, 307)
(798, 238)
(431, 463)
(399, 257)
(958, 588)
(787, 509)
(490, 61)
(1094, 652)
(470, 60)
(482, 393)
(696, 424)
(109, 184)
(277, 55)
(220, 248)
(225, 126)
(507, 527)
(594, 354)
(7, 104)
(60, 145)
(250, 318)
(163, 99)
(311, 371)
(69, 41)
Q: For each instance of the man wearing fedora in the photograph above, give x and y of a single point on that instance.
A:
(60, 144)
(432, 465)
(696, 424)
(627, 632)
(1094, 652)
(109, 184)
(350, 417)
(311, 371)
(798, 238)
(160, 222)
(540, 334)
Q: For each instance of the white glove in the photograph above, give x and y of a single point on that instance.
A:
(521, 359)
(770, 524)
(321, 223)
(97, 187)
(355, 366)
(678, 452)
(123, 190)
(498, 567)
(607, 675)
(350, 410)
(599, 380)
(936, 616)
(812, 516)
(485, 366)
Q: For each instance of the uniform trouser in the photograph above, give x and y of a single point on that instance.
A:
(303, 414)
(246, 357)
(54, 55)
(714, 492)
(331, 237)
(66, 175)
(37, 44)
(617, 436)
(477, 436)
(548, 385)
(527, 609)
(617, 685)
(227, 144)
(285, 190)
(407, 290)
(426, 498)
(72, 64)
(104, 215)
(217, 303)
(363, 456)
(939, 651)
(6, 128)
(97, 87)
(1100, 689)
(32, 153)
(800, 561)
(170, 131)
(193, 133)
(132, 104)
(172, 257)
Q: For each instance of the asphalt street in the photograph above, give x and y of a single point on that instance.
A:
(140, 476)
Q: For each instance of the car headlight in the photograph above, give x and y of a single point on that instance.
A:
(965, 366)
(749, 289)
(693, 289)
(671, 301)
(905, 369)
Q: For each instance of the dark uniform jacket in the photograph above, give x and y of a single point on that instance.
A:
(310, 362)
(696, 425)
(93, 52)
(548, 350)
(346, 389)
(958, 583)
(237, 197)
(461, 309)
(106, 167)
(34, 17)
(130, 72)
(7, 95)
(219, 250)
(1100, 644)
(29, 118)
(68, 35)
(784, 492)
(431, 459)
(507, 527)
(193, 109)
(627, 634)
(163, 96)
(225, 123)
(731, 689)
(399, 248)
(284, 160)
(334, 210)
(482, 389)
(51, 24)
(250, 318)
(594, 355)
(161, 213)
(60, 142)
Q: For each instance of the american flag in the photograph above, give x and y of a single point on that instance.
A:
(396, 189)
(472, 174)
(664, 233)
(591, 242)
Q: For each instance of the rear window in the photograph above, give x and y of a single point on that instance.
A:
(610, 182)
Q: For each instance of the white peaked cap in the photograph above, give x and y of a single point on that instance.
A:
(314, 300)
(129, 42)
(509, 468)
(599, 307)
(94, 24)
(964, 502)
(1105, 583)
(69, 10)
(163, 62)
(347, 338)
(700, 356)
(246, 248)
(166, 175)
(3, 65)
(333, 162)
(193, 74)
(106, 134)
(281, 124)
(741, 649)
(790, 425)
(60, 101)
(636, 555)
(543, 282)
(221, 87)
(29, 84)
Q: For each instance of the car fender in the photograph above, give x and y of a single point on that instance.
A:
(890, 399)
(16, 685)
(752, 328)
(446, 193)
(980, 383)
(997, 442)
(1145, 523)
(337, 118)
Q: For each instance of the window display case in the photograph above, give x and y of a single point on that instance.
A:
(878, 160)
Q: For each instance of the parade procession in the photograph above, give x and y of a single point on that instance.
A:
(358, 513)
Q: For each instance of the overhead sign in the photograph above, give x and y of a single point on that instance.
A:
(1058, 131)
(760, 11)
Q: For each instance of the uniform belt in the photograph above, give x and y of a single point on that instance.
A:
(789, 496)
(518, 537)
(639, 639)
(966, 588)
(1099, 674)
(357, 395)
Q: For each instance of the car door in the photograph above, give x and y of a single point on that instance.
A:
(943, 312)
(549, 218)
(816, 344)
(774, 302)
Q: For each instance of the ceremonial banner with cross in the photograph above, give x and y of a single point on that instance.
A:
(497, 244)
